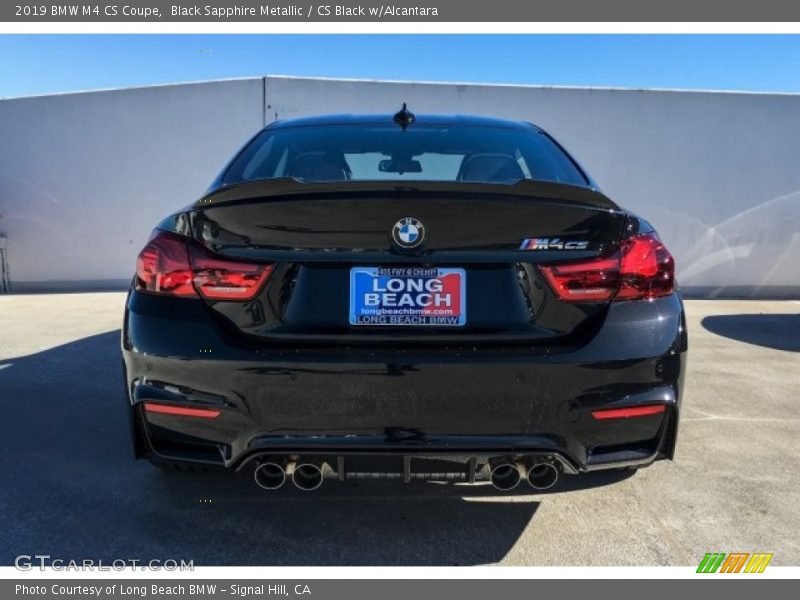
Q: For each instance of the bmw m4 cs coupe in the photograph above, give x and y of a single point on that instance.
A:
(404, 297)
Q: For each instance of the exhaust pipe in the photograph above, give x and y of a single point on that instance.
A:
(504, 475)
(269, 475)
(307, 476)
(543, 475)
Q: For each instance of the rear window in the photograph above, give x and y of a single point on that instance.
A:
(481, 154)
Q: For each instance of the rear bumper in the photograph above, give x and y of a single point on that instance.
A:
(423, 401)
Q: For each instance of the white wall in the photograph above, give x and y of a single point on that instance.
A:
(83, 177)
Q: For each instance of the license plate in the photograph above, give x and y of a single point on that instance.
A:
(408, 296)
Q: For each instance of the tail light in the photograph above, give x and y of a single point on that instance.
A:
(162, 267)
(642, 268)
(647, 269)
(219, 279)
(175, 266)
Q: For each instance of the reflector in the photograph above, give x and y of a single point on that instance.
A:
(632, 411)
(185, 411)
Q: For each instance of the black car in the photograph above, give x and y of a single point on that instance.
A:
(397, 297)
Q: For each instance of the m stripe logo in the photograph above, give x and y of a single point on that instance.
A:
(735, 562)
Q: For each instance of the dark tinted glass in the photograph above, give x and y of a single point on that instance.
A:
(385, 152)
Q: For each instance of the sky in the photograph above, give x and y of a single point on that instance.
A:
(42, 64)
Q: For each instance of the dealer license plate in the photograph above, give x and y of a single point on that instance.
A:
(408, 296)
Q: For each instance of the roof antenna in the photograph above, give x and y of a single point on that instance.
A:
(404, 118)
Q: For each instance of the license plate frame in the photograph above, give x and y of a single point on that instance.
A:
(436, 285)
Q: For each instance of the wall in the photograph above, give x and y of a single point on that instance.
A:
(83, 177)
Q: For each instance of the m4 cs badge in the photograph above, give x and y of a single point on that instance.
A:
(553, 244)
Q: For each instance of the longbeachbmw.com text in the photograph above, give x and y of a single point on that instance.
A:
(236, 12)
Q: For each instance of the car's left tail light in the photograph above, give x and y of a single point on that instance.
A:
(173, 265)
(641, 268)
(219, 279)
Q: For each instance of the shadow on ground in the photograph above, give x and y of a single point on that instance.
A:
(781, 332)
(71, 489)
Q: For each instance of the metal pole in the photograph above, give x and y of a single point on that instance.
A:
(5, 283)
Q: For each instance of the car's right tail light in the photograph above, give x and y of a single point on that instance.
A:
(642, 268)
(173, 265)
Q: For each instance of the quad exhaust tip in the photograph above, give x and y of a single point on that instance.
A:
(307, 476)
(272, 474)
(505, 476)
(542, 476)
(269, 475)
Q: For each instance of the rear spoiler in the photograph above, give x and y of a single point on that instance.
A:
(290, 187)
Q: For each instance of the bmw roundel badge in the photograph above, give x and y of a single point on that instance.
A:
(408, 232)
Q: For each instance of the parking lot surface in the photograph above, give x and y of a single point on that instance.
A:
(71, 489)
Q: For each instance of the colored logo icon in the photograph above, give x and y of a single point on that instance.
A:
(408, 232)
(734, 562)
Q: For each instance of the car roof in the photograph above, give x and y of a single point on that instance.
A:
(386, 119)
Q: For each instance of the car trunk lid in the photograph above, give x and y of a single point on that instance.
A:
(333, 243)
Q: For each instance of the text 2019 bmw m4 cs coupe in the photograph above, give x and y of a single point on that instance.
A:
(409, 298)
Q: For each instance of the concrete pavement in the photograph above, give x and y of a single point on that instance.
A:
(71, 489)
